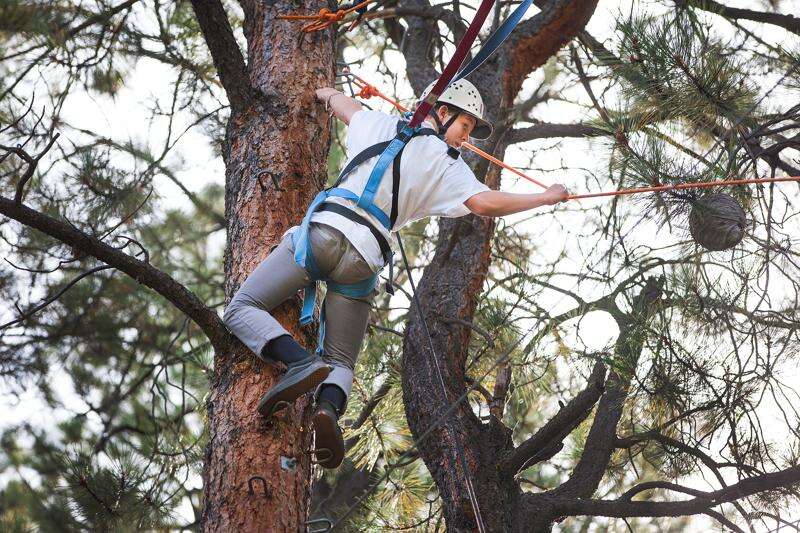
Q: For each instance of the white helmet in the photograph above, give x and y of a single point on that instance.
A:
(466, 97)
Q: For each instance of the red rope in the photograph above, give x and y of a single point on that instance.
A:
(325, 17)
(368, 91)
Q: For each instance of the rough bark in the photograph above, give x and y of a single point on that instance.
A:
(452, 283)
(275, 163)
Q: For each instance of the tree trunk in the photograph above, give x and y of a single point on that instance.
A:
(450, 287)
(275, 160)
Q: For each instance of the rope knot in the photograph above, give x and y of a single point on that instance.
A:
(333, 16)
(368, 91)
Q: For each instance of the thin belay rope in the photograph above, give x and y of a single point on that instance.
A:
(453, 66)
(325, 17)
(448, 429)
(368, 90)
(424, 107)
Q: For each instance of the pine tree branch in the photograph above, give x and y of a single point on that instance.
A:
(601, 441)
(99, 18)
(366, 411)
(608, 59)
(47, 301)
(622, 508)
(143, 272)
(557, 428)
(225, 52)
(547, 130)
(787, 22)
(32, 161)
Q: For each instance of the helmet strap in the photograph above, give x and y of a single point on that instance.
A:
(450, 122)
(446, 126)
(435, 116)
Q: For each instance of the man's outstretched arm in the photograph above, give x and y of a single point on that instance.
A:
(342, 105)
(499, 203)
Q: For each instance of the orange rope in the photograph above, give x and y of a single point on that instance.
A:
(368, 91)
(502, 164)
(680, 186)
(325, 17)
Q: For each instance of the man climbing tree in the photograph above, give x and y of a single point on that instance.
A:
(597, 367)
(434, 181)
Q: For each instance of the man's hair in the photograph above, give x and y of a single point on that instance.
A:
(451, 109)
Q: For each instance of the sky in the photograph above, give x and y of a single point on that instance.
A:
(121, 118)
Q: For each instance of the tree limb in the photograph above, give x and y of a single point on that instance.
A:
(225, 52)
(143, 272)
(787, 22)
(558, 427)
(546, 130)
(601, 440)
(624, 509)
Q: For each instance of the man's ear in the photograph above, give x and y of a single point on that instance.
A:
(442, 111)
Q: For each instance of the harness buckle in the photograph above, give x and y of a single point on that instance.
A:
(407, 133)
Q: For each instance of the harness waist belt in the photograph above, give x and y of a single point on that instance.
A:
(386, 250)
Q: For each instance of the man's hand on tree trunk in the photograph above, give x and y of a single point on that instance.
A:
(339, 104)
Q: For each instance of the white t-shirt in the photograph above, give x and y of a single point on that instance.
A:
(431, 183)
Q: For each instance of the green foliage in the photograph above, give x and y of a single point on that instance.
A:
(679, 70)
(123, 374)
(30, 18)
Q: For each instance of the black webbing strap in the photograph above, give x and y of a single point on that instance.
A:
(376, 150)
(395, 187)
(386, 250)
(366, 154)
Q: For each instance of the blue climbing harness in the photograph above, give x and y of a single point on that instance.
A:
(389, 153)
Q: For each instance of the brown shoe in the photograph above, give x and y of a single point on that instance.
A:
(327, 436)
(300, 378)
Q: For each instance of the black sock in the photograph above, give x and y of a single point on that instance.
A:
(334, 396)
(284, 349)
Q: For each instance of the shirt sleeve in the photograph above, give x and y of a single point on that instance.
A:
(362, 129)
(458, 184)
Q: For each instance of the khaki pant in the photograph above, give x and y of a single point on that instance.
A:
(278, 278)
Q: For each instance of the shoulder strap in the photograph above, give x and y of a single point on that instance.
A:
(452, 152)
(373, 151)
(395, 188)
(366, 154)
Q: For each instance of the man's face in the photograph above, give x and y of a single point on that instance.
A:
(459, 130)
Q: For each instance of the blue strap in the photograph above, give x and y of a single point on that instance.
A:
(366, 154)
(302, 246)
(353, 290)
(372, 209)
(310, 292)
(380, 168)
(305, 259)
(495, 40)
